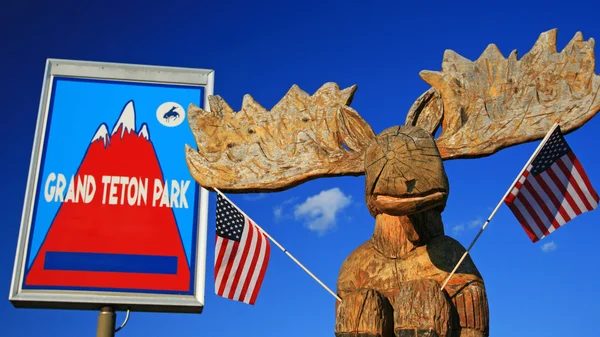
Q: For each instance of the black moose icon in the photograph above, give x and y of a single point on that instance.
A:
(171, 114)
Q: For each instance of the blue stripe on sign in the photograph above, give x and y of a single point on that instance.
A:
(118, 263)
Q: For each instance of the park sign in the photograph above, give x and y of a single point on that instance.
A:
(112, 215)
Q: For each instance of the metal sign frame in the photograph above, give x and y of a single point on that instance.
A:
(120, 300)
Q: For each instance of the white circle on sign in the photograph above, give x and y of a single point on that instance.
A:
(170, 114)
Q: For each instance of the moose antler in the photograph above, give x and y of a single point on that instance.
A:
(494, 102)
(303, 137)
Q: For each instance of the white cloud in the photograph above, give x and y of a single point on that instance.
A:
(319, 211)
(254, 197)
(278, 212)
(289, 201)
(549, 247)
(475, 223)
(458, 229)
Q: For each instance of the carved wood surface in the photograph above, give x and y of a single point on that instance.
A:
(427, 111)
(471, 307)
(365, 313)
(404, 162)
(496, 102)
(382, 262)
(406, 269)
(301, 138)
(481, 106)
(421, 307)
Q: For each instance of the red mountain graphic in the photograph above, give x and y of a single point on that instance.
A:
(99, 245)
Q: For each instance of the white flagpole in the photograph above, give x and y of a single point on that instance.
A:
(501, 202)
(280, 247)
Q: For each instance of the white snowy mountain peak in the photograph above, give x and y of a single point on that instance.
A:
(102, 133)
(126, 120)
(144, 132)
(126, 123)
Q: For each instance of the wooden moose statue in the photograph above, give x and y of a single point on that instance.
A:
(391, 284)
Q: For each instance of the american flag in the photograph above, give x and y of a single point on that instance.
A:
(552, 190)
(241, 254)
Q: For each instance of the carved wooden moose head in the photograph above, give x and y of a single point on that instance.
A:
(390, 285)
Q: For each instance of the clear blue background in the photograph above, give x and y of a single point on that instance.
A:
(265, 47)
(80, 107)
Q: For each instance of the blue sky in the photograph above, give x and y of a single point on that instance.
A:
(263, 48)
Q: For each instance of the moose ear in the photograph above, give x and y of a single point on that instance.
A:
(497, 102)
(302, 138)
(426, 112)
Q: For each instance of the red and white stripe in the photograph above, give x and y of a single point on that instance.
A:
(547, 201)
(240, 266)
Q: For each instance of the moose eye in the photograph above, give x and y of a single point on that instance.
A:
(410, 185)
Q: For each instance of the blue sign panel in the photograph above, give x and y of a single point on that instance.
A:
(111, 206)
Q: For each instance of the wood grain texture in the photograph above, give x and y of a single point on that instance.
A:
(406, 261)
(471, 306)
(496, 102)
(303, 137)
(422, 307)
(427, 111)
(403, 162)
(364, 312)
(482, 107)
